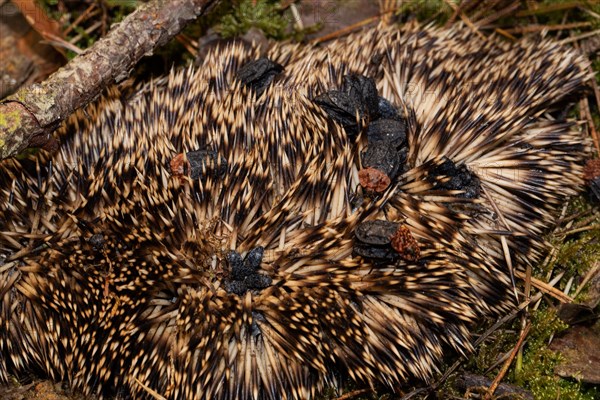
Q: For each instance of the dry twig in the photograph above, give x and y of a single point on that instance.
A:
(466, 19)
(28, 117)
(546, 288)
(504, 370)
(539, 28)
(353, 394)
(150, 391)
(584, 108)
(478, 342)
(582, 36)
(351, 28)
(547, 9)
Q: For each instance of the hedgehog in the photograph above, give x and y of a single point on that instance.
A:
(245, 229)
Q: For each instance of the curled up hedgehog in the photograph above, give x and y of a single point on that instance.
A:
(257, 227)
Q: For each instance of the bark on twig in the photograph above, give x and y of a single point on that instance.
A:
(470, 381)
(28, 117)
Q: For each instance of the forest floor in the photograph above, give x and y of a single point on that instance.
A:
(554, 361)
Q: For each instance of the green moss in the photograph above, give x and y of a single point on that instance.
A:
(537, 372)
(488, 353)
(86, 39)
(113, 10)
(424, 10)
(27, 153)
(10, 120)
(124, 4)
(262, 14)
(596, 68)
(577, 251)
(121, 8)
(551, 13)
(577, 255)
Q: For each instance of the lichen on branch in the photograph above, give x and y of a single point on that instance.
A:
(28, 117)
